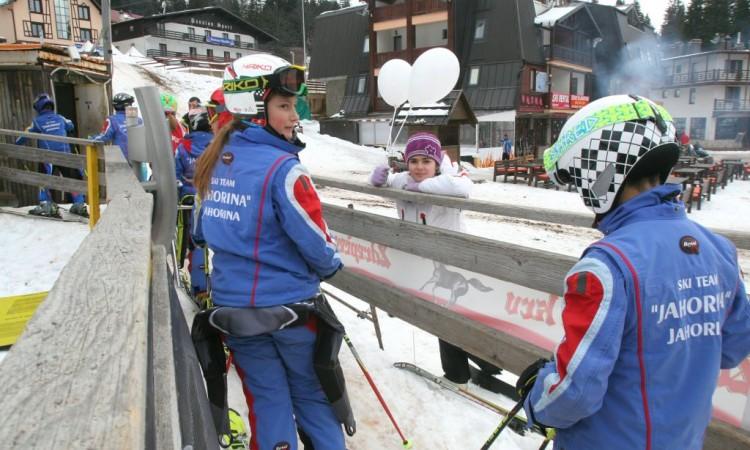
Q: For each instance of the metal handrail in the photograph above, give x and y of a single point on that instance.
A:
(181, 36)
(707, 76)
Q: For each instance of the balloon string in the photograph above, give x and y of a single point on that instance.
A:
(401, 127)
(390, 133)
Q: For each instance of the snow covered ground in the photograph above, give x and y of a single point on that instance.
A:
(36, 250)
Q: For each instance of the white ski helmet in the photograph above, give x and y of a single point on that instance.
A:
(248, 80)
(600, 144)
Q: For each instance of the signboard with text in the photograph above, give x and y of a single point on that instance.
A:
(560, 101)
(530, 103)
(578, 101)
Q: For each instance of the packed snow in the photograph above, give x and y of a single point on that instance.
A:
(430, 417)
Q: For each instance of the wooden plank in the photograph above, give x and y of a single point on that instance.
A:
(740, 239)
(43, 156)
(47, 137)
(77, 376)
(488, 343)
(163, 427)
(536, 269)
(43, 180)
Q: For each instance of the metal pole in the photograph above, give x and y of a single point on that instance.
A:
(92, 180)
(107, 34)
(304, 40)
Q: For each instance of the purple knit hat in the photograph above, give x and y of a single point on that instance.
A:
(424, 144)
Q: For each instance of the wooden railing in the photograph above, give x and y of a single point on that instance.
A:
(557, 52)
(89, 163)
(707, 76)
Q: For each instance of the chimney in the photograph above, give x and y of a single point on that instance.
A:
(694, 46)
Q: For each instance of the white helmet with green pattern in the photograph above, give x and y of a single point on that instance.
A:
(600, 144)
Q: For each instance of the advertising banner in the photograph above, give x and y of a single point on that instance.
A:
(560, 101)
(578, 101)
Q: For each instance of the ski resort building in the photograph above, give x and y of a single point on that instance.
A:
(204, 37)
(58, 22)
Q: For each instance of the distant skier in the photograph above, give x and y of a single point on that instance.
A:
(653, 310)
(431, 171)
(114, 129)
(193, 104)
(507, 147)
(48, 122)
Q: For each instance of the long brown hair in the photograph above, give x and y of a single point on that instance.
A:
(204, 166)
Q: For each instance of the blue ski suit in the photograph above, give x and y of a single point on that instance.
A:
(652, 312)
(115, 131)
(263, 220)
(49, 122)
(191, 147)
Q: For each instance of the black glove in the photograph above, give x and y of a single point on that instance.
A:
(528, 377)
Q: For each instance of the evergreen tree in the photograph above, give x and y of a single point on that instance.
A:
(642, 18)
(741, 17)
(694, 21)
(672, 28)
(716, 18)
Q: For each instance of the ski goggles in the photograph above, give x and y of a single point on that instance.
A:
(290, 79)
(640, 110)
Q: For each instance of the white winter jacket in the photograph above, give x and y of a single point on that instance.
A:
(450, 182)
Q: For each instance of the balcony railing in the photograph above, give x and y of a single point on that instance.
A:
(385, 56)
(153, 53)
(428, 6)
(169, 34)
(389, 12)
(708, 76)
(730, 105)
(566, 54)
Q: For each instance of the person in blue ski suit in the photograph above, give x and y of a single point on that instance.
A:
(114, 129)
(653, 310)
(49, 122)
(189, 150)
(261, 216)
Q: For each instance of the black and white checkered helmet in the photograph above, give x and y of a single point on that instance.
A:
(600, 144)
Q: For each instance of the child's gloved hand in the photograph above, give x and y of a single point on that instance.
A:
(412, 185)
(379, 175)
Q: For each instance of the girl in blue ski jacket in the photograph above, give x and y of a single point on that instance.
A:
(261, 216)
(653, 310)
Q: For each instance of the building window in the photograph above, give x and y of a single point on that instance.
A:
(727, 127)
(664, 93)
(37, 29)
(193, 52)
(35, 6)
(691, 98)
(698, 128)
(361, 85)
(680, 124)
(735, 66)
(397, 43)
(678, 68)
(191, 32)
(227, 56)
(474, 76)
(239, 55)
(163, 49)
(225, 35)
(479, 30)
(676, 93)
(62, 18)
(237, 40)
(366, 47)
(131, 28)
(161, 27)
(86, 35)
(210, 53)
(445, 33)
(84, 13)
(574, 85)
(208, 33)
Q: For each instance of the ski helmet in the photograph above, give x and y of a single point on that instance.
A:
(601, 144)
(199, 120)
(122, 100)
(217, 109)
(259, 74)
(43, 101)
(168, 102)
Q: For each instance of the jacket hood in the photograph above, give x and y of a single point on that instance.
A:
(659, 202)
(254, 134)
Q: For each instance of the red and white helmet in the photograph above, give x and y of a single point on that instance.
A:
(248, 80)
(601, 144)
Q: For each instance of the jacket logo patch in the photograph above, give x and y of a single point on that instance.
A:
(689, 245)
(282, 446)
(227, 158)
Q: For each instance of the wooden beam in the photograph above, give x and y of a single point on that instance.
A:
(78, 374)
(740, 239)
(536, 269)
(42, 180)
(48, 137)
(34, 154)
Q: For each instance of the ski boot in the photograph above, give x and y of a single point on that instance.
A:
(46, 209)
(79, 209)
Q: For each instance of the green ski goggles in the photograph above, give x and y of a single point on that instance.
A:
(640, 110)
(290, 79)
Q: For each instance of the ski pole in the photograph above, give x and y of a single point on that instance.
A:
(503, 423)
(405, 442)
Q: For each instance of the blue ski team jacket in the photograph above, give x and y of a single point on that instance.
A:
(263, 220)
(115, 131)
(48, 122)
(652, 312)
(191, 147)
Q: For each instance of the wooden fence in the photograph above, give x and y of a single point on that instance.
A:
(536, 269)
(106, 361)
(89, 162)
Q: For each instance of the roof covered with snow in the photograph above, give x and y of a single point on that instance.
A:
(550, 17)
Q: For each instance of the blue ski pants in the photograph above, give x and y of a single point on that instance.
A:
(280, 386)
(44, 193)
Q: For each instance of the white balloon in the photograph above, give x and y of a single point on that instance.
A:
(433, 76)
(393, 81)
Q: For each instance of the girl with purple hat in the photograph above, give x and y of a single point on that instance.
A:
(430, 171)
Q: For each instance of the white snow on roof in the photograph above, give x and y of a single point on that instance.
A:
(132, 51)
(424, 112)
(550, 17)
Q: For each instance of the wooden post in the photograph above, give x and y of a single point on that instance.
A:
(92, 179)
